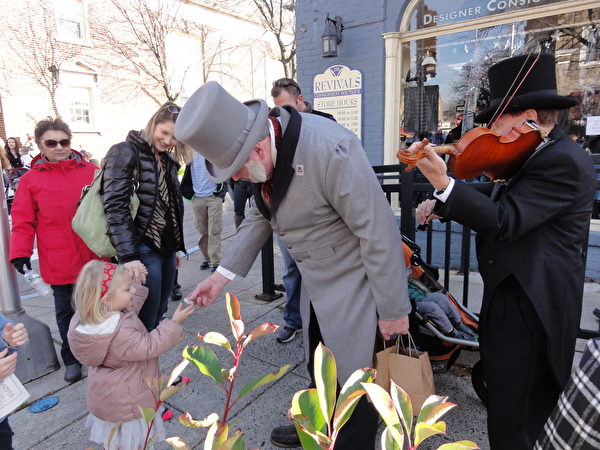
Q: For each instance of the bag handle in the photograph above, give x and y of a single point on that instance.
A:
(399, 340)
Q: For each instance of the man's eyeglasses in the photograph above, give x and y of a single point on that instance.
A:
(52, 143)
(285, 82)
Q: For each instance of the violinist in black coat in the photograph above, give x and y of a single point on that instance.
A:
(530, 239)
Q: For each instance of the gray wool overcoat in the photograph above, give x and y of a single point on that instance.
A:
(337, 225)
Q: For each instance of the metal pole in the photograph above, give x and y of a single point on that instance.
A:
(39, 356)
(268, 273)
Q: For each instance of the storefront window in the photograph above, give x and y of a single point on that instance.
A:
(444, 76)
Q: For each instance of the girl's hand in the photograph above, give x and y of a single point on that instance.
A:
(137, 270)
(8, 364)
(177, 260)
(15, 336)
(181, 313)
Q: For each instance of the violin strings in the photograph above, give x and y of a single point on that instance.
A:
(504, 104)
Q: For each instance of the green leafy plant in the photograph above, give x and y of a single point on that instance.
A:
(208, 364)
(316, 413)
(397, 413)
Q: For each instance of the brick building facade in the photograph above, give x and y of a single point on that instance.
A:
(389, 44)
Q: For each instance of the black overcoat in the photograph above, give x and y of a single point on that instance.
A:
(535, 228)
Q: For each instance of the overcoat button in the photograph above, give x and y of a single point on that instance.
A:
(491, 262)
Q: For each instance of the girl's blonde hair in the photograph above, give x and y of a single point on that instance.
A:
(88, 289)
(168, 113)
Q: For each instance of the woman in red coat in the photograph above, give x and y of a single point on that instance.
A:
(43, 208)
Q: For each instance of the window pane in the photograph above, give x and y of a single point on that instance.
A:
(70, 29)
(79, 104)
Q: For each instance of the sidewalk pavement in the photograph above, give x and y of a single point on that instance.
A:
(63, 427)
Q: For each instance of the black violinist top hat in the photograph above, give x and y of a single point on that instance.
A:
(538, 91)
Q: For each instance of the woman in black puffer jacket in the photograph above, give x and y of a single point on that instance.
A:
(148, 244)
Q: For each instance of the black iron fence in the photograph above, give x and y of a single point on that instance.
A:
(406, 190)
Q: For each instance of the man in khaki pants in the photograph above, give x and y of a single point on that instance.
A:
(207, 201)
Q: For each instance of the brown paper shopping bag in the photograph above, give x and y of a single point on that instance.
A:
(410, 369)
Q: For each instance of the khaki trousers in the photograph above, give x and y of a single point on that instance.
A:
(208, 212)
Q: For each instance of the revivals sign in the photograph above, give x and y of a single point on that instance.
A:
(338, 91)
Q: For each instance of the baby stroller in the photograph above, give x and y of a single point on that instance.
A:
(443, 349)
(14, 175)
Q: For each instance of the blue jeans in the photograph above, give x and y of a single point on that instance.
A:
(6, 435)
(63, 311)
(159, 281)
(292, 280)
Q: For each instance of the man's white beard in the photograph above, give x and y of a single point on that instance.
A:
(256, 171)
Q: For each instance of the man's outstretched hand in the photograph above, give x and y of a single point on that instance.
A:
(208, 290)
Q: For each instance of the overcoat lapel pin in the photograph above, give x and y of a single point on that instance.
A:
(300, 170)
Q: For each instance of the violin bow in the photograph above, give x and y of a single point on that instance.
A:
(504, 103)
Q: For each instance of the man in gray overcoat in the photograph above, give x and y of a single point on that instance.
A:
(315, 188)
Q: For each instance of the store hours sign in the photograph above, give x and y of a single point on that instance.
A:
(338, 91)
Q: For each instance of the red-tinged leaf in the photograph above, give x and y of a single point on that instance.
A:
(178, 443)
(206, 361)
(403, 406)
(460, 445)
(235, 316)
(424, 430)
(233, 306)
(349, 395)
(260, 381)
(186, 420)
(215, 338)
(311, 440)
(437, 411)
(177, 371)
(325, 379)
(383, 403)
(430, 402)
(170, 390)
(261, 330)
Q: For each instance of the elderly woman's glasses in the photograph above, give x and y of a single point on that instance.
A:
(51, 143)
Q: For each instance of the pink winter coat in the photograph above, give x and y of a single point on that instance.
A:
(43, 209)
(120, 361)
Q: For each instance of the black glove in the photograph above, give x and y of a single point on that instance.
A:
(20, 264)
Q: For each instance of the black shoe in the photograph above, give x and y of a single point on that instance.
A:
(73, 372)
(205, 265)
(213, 268)
(286, 334)
(597, 312)
(285, 437)
(176, 294)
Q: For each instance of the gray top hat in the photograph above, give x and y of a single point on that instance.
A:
(221, 128)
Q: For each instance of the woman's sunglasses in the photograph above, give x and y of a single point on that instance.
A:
(51, 143)
(174, 109)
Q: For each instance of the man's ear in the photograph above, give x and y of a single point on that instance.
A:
(531, 114)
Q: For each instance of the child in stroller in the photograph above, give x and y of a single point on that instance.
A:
(438, 308)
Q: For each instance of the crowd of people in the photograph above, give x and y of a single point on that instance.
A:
(309, 182)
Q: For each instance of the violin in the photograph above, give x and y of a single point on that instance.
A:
(482, 150)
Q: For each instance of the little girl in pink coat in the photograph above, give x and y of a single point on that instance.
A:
(106, 334)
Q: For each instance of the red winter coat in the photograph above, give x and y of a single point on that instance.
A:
(43, 208)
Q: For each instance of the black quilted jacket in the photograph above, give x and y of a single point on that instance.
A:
(120, 169)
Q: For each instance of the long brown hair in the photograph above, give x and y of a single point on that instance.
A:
(4, 162)
(168, 113)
